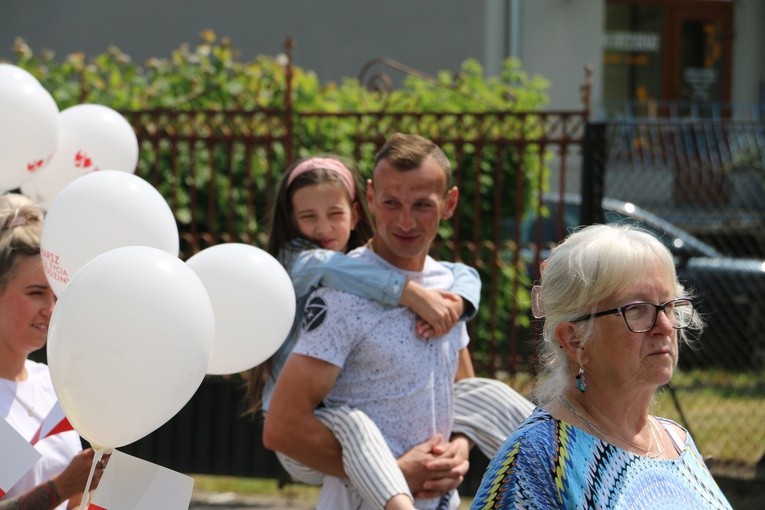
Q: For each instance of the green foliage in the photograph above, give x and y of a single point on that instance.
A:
(214, 137)
(209, 76)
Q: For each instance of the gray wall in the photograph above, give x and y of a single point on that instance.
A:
(335, 38)
(748, 51)
(559, 38)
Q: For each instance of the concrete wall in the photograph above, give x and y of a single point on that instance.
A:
(335, 38)
(559, 38)
(748, 51)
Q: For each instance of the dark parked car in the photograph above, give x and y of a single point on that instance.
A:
(730, 291)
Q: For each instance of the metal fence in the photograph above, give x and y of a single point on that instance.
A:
(705, 181)
(705, 175)
(218, 171)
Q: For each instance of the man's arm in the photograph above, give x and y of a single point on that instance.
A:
(291, 427)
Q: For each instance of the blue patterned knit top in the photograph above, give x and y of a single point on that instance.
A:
(549, 463)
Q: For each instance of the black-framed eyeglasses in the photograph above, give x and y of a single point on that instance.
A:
(640, 317)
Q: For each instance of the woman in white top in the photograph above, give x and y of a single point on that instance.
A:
(58, 479)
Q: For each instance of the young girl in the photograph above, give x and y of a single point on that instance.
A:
(319, 214)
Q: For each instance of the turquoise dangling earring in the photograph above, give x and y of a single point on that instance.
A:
(580, 384)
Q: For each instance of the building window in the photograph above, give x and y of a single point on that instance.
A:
(666, 57)
(632, 43)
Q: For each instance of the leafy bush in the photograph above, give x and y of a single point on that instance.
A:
(215, 133)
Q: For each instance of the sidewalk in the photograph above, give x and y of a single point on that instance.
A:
(286, 501)
(743, 492)
(230, 501)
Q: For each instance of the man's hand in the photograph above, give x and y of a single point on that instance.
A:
(433, 468)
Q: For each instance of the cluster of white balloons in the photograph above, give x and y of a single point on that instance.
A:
(28, 126)
(135, 329)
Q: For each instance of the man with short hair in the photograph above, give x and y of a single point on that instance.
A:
(364, 354)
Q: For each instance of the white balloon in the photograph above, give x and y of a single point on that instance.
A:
(92, 137)
(28, 130)
(129, 342)
(12, 72)
(98, 212)
(253, 300)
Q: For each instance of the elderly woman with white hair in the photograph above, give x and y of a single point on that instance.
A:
(614, 315)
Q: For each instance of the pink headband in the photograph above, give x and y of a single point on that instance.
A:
(329, 164)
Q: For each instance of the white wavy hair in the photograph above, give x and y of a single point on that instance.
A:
(594, 264)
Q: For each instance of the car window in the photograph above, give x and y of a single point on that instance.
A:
(622, 219)
(679, 243)
(549, 232)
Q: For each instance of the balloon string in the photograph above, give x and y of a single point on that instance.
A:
(86, 493)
